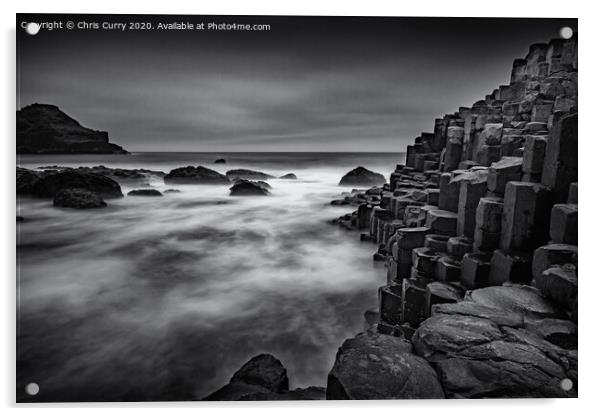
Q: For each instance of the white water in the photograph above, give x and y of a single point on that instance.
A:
(166, 297)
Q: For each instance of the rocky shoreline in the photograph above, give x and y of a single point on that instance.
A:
(478, 235)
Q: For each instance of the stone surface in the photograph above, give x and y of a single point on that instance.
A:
(560, 164)
(505, 170)
(247, 174)
(453, 148)
(78, 198)
(144, 192)
(526, 216)
(361, 176)
(448, 269)
(25, 181)
(372, 366)
(196, 175)
(473, 186)
(414, 307)
(436, 242)
(425, 261)
(289, 176)
(563, 224)
(50, 185)
(547, 256)
(439, 292)
(475, 270)
(389, 299)
(244, 187)
(559, 284)
(573, 194)
(442, 222)
(510, 267)
(488, 225)
(448, 193)
(458, 246)
(534, 154)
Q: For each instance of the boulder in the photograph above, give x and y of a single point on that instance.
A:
(144, 192)
(289, 176)
(373, 366)
(196, 175)
(247, 174)
(244, 187)
(361, 176)
(49, 185)
(220, 161)
(78, 198)
(262, 374)
(26, 179)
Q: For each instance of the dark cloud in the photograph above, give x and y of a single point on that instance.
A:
(330, 84)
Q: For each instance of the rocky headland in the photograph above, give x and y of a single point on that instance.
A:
(45, 129)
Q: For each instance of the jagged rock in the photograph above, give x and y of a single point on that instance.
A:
(196, 175)
(243, 187)
(289, 176)
(373, 366)
(220, 161)
(480, 348)
(144, 192)
(262, 374)
(44, 128)
(26, 179)
(78, 198)
(361, 176)
(49, 185)
(247, 174)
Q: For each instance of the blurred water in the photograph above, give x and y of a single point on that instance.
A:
(164, 298)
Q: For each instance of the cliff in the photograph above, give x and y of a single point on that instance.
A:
(44, 128)
(478, 234)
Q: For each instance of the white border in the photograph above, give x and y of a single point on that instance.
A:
(590, 98)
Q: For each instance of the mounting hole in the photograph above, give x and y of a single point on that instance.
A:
(32, 28)
(566, 32)
(566, 384)
(32, 389)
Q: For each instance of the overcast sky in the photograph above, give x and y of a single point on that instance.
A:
(308, 84)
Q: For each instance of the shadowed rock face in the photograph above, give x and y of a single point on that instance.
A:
(374, 366)
(263, 377)
(50, 185)
(44, 128)
(243, 187)
(78, 198)
(196, 175)
(361, 176)
(247, 174)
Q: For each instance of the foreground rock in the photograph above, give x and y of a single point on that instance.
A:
(44, 128)
(361, 176)
(78, 198)
(196, 175)
(263, 377)
(500, 342)
(244, 187)
(144, 192)
(49, 185)
(374, 366)
(247, 174)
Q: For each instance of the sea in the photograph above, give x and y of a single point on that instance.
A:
(164, 298)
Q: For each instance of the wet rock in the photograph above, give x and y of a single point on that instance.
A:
(50, 185)
(244, 187)
(361, 176)
(262, 374)
(78, 198)
(144, 192)
(196, 175)
(220, 161)
(247, 174)
(289, 176)
(373, 366)
(26, 179)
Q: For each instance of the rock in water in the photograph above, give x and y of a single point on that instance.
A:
(48, 186)
(374, 366)
(144, 192)
(220, 161)
(289, 176)
(243, 187)
(26, 179)
(247, 174)
(43, 128)
(196, 175)
(262, 374)
(361, 176)
(78, 198)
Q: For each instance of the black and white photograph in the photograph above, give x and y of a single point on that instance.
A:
(292, 208)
